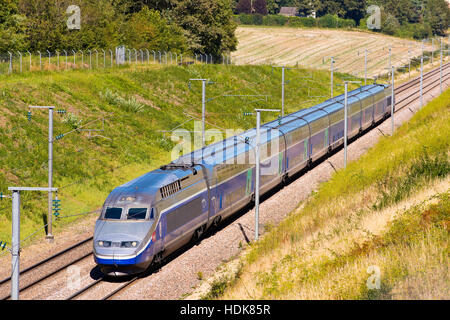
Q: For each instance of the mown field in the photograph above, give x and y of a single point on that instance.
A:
(137, 103)
(377, 230)
(312, 48)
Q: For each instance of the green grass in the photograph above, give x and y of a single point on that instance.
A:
(138, 102)
(355, 220)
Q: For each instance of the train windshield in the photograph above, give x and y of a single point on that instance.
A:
(137, 213)
(113, 213)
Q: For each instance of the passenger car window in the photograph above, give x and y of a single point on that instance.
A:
(137, 213)
(113, 213)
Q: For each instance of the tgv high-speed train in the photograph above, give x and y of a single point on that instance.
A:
(150, 217)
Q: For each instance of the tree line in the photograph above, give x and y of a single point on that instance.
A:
(413, 18)
(196, 26)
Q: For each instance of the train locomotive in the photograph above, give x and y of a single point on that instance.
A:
(150, 217)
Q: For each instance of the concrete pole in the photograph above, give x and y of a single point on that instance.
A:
(257, 173)
(15, 245)
(332, 74)
(390, 58)
(345, 124)
(29, 54)
(203, 111)
(392, 100)
(365, 67)
(440, 68)
(409, 58)
(50, 236)
(421, 82)
(432, 50)
(20, 55)
(282, 91)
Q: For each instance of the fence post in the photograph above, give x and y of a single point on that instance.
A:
(96, 57)
(40, 60)
(49, 61)
(111, 53)
(82, 59)
(104, 58)
(148, 55)
(74, 59)
(65, 52)
(10, 63)
(57, 53)
(29, 53)
(20, 55)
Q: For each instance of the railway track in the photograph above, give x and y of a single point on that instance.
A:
(59, 261)
(95, 286)
(431, 80)
(415, 81)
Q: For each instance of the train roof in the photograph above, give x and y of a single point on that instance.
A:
(231, 147)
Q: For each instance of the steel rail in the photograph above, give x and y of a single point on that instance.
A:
(85, 289)
(116, 291)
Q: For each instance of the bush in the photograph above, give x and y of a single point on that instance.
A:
(390, 25)
(327, 21)
(275, 20)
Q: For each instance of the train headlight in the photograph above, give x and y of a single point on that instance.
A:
(129, 244)
(105, 244)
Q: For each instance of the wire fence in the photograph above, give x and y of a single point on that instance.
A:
(64, 60)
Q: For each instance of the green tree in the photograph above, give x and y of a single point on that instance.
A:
(244, 6)
(148, 29)
(7, 9)
(260, 6)
(208, 24)
(437, 14)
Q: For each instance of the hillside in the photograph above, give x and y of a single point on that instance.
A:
(312, 47)
(384, 221)
(136, 102)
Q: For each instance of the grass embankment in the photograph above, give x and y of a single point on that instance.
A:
(387, 212)
(139, 101)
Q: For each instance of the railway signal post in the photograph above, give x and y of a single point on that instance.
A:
(258, 133)
(392, 100)
(15, 239)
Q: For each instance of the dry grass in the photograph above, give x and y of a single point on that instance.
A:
(331, 262)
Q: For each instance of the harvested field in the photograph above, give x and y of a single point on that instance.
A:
(314, 47)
